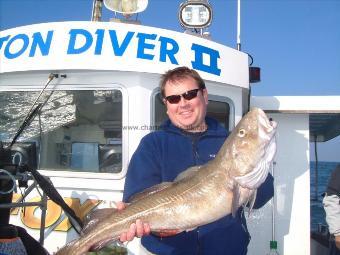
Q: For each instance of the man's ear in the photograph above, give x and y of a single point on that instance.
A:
(205, 95)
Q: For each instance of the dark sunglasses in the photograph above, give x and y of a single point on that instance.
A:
(174, 99)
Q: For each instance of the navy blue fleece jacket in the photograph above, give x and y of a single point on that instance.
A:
(160, 157)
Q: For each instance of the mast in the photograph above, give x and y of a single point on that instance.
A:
(238, 39)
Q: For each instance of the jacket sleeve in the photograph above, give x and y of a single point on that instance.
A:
(333, 187)
(331, 204)
(265, 192)
(144, 168)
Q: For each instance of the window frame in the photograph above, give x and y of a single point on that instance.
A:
(90, 87)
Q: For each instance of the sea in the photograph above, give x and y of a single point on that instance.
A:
(317, 189)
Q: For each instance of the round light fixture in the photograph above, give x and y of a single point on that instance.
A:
(195, 14)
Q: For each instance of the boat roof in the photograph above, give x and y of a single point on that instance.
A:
(324, 112)
(112, 46)
(324, 127)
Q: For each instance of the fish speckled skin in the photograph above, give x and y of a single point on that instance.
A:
(199, 195)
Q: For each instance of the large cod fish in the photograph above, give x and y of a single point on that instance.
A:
(199, 195)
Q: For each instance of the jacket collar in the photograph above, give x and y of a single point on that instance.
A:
(214, 128)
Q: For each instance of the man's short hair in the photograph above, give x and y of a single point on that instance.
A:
(180, 73)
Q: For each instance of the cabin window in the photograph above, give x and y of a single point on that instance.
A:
(78, 131)
(218, 108)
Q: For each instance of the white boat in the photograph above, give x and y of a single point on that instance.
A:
(99, 96)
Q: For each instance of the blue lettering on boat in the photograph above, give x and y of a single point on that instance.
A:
(147, 47)
(18, 44)
(74, 33)
(198, 61)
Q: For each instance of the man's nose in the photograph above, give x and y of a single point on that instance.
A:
(183, 102)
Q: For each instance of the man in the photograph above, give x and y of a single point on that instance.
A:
(331, 203)
(186, 139)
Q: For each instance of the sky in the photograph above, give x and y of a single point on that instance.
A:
(296, 43)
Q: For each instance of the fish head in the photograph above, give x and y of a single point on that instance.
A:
(251, 148)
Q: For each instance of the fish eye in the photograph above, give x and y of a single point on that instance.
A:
(241, 132)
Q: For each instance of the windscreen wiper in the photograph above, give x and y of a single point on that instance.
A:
(33, 110)
(26, 123)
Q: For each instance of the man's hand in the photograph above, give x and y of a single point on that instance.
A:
(137, 229)
(337, 241)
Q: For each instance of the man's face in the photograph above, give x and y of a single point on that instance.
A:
(187, 114)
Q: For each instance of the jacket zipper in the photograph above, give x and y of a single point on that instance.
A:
(194, 150)
(194, 142)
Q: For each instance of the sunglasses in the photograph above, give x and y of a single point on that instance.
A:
(174, 99)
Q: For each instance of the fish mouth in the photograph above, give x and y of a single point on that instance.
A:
(272, 123)
(267, 127)
(268, 123)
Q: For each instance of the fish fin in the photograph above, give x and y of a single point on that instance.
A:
(242, 196)
(149, 191)
(101, 244)
(187, 173)
(255, 178)
(92, 218)
(236, 199)
(252, 201)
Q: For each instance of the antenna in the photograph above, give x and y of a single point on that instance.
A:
(97, 10)
(238, 39)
